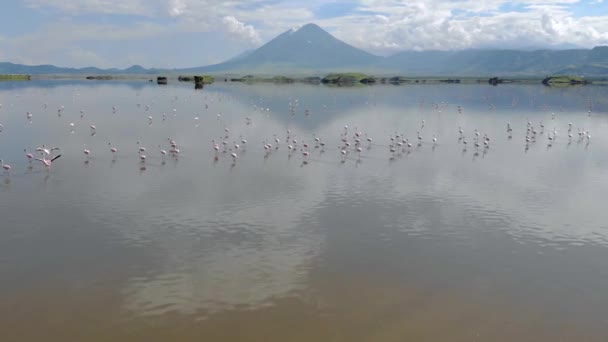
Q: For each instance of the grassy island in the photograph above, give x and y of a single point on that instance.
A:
(205, 79)
(15, 77)
(346, 78)
(563, 80)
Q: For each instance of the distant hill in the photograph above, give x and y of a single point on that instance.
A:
(12, 68)
(507, 62)
(312, 50)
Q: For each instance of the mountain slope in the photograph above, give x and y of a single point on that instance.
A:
(309, 47)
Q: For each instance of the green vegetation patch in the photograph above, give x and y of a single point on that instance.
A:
(206, 79)
(564, 80)
(347, 77)
(15, 77)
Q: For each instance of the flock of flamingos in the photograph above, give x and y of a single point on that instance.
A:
(349, 142)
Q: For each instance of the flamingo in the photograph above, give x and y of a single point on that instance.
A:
(112, 149)
(28, 155)
(6, 167)
(44, 150)
(164, 153)
(141, 148)
(48, 162)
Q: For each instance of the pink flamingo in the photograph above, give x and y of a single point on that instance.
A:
(48, 162)
(162, 152)
(112, 149)
(44, 150)
(29, 156)
(6, 167)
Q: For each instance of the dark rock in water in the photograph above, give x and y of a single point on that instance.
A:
(398, 80)
(198, 85)
(450, 81)
(161, 80)
(495, 81)
(368, 80)
(102, 77)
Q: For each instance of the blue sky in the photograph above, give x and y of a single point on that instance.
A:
(185, 33)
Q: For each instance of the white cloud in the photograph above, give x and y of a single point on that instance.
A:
(241, 31)
(132, 7)
(176, 8)
(442, 25)
(380, 26)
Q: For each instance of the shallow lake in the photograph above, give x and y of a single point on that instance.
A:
(440, 241)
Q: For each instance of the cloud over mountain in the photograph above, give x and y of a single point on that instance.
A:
(378, 26)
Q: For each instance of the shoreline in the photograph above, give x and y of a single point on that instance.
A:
(356, 80)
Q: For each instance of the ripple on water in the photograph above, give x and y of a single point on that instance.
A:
(304, 247)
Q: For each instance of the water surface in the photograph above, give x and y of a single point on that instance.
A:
(432, 242)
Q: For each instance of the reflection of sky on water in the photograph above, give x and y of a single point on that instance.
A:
(221, 237)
